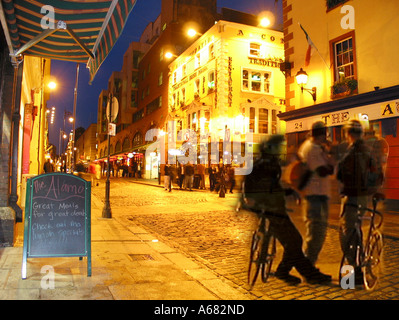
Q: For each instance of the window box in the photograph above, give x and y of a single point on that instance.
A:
(343, 88)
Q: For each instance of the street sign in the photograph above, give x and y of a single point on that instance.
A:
(114, 110)
(112, 129)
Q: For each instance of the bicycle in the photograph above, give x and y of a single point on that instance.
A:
(367, 253)
(263, 251)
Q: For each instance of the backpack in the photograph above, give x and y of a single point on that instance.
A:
(297, 174)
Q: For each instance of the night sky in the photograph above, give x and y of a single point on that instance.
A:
(64, 73)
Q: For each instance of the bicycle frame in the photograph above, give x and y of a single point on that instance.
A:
(263, 251)
(365, 258)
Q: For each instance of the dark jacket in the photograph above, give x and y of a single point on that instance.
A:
(355, 169)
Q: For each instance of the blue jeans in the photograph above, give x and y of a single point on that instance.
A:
(189, 181)
(316, 220)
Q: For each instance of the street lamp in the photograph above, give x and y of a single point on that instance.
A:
(302, 79)
(169, 55)
(192, 32)
(266, 19)
(52, 85)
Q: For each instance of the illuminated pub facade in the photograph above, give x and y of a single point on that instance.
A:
(228, 83)
(354, 71)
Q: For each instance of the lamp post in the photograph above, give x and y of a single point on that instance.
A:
(106, 213)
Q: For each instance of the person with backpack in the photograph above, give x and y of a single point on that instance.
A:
(317, 189)
(263, 193)
(359, 177)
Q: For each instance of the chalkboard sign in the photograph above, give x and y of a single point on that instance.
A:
(57, 218)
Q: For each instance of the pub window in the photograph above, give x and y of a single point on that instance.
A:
(194, 121)
(197, 60)
(183, 95)
(254, 49)
(207, 119)
(188, 121)
(245, 80)
(161, 54)
(274, 121)
(160, 79)
(344, 59)
(266, 82)
(256, 81)
(184, 70)
(137, 139)
(211, 51)
(252, 119)
(263, 120)
(211, 80)
(197, 86)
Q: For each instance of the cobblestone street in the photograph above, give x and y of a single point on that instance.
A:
(208, 230)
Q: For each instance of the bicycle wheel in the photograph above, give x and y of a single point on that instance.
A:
(372, 260)
(255, 258)
(353, 253)
(269, 254)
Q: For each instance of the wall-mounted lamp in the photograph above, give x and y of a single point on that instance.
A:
(302, 79)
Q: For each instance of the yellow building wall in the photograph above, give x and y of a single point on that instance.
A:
(36, 74)
(375, 44)
(231, 46)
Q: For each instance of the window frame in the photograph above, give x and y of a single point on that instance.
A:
(333, 56)
(263, 81)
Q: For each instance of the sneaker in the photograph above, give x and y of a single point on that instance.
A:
(287, 278)
(317, 277)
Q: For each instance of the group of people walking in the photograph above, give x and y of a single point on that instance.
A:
(220, 176)
(353, 166)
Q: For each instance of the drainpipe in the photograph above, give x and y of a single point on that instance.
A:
(16, 118)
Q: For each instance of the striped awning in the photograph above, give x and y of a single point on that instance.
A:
(70, 30)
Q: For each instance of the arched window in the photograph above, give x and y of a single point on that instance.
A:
(118, 147)
(125, 144)
(137, 139)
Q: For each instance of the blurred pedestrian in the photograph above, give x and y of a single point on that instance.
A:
(231, 177)
(353, 172)
(48, 166)
(181, 175)
(167, 178)
(264, 194)
(317, 190)
(97, 173)
(189, 175)
(201, 173)
(212, 177)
